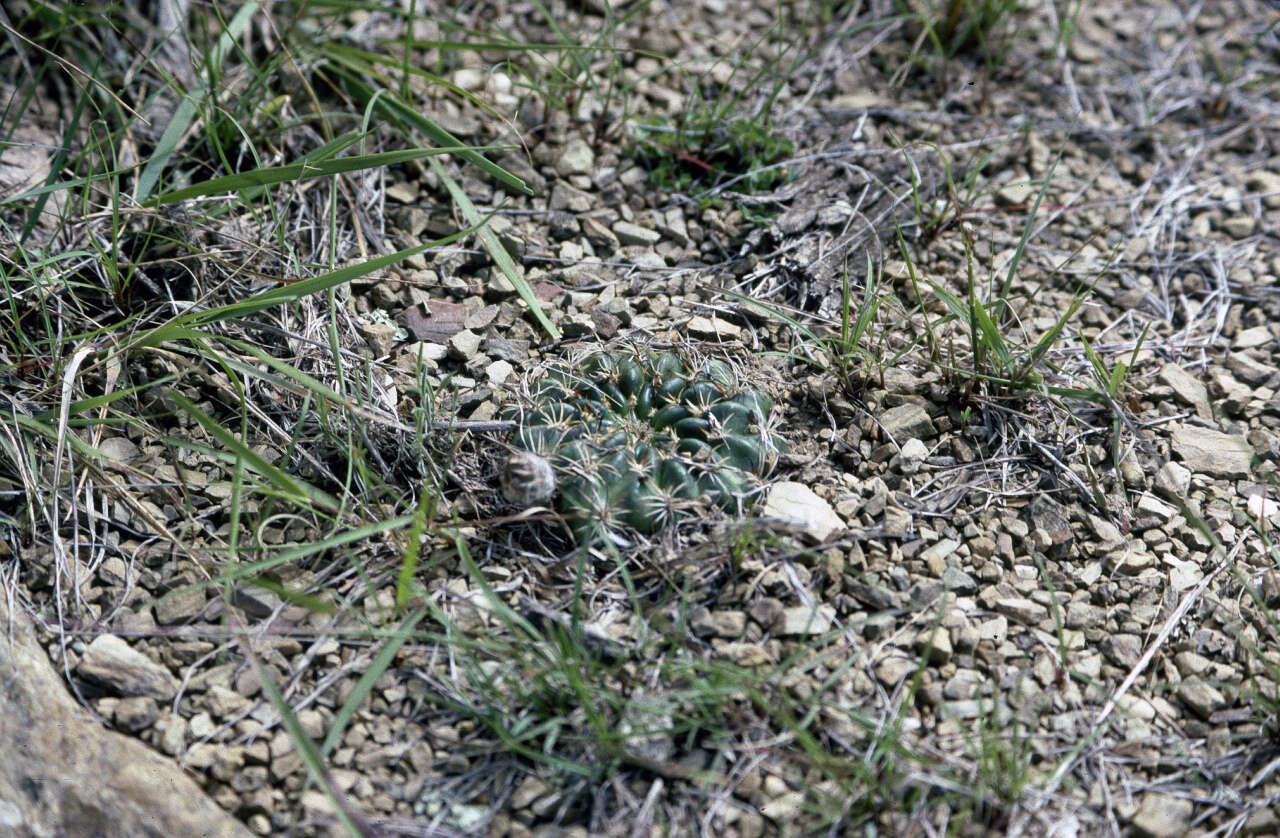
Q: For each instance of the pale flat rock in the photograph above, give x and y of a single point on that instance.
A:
(577, 158)
(1188, 389)
(892, 670)
(939, 551)
(1149, 505)
(115, 665)
(64, 774)
(800, 620)
(907, 421)
(634, 234)
(1202, 698)
(464, 344)
(1249, 338)
(796, 506)
(712, 328)
(119, 449)
(1210, 452)
(1021, 609)
(1163, 816)
(1173, 481)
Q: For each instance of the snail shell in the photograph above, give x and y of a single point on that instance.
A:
(528, 479)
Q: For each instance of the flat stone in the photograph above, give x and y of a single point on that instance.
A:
(784, 807)
(600, 236)
(1163, 816)
(1263, 822)
(712, 328)
(1239, 226)
(957, 581)
(1021, 609)
(1124, 650)
(511, 350)
(937, 644)
(798, 508)
(801, 621)
(1188, 389)
(1203, 699)
(427, 351)
(379, 336)
(498, 372)
(576, 158)
(963, 686)
(255, 601)
(1019, 193)
(1191, 665)
(912, 456)
(1083, 615)
(634, 234)
(1249, 338)
(893, 669)
(112, 663)
(1148, 505)
(907, 421)
(1213, 453)
(119, 449)
(87, 780)
(1248, 370)
(719, 623)
(1184, 575)
(747, 654)
(464, 345)
(939, 550)
(180, 606)
(136, 713)
(223, 702)
(897, 522)
(1135, 560)
(1107, 533)
(1266, 182)
(1052, 520)
(1173, 481)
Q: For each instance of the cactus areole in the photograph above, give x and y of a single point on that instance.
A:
(636, 437)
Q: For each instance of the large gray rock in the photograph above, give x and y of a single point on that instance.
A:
(114, 664)
(62, 773)
(1214, 453)
(795, 506)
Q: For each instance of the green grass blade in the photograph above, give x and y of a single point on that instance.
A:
(185, 113)
(311, 756)
(392, 106)
(298, 490)
(365, 685)
(291, 292)
(496, 251)
(302, 170)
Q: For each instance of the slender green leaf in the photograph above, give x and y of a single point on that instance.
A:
(311, 756)
(298, 490)
(496, 251)
(185, 113)
(370, 676)
(290, 292)
(392, 106)
(302, 170)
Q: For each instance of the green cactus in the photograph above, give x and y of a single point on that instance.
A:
(637, 436)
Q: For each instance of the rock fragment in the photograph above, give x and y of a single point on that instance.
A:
(1213, 453)
(91, 781)
(797, 507)
(907, 421)
(114, 664)
(1163, 816)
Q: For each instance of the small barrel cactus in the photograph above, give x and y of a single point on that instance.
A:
(638, 436)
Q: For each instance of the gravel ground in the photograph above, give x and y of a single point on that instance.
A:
(1047, 608)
